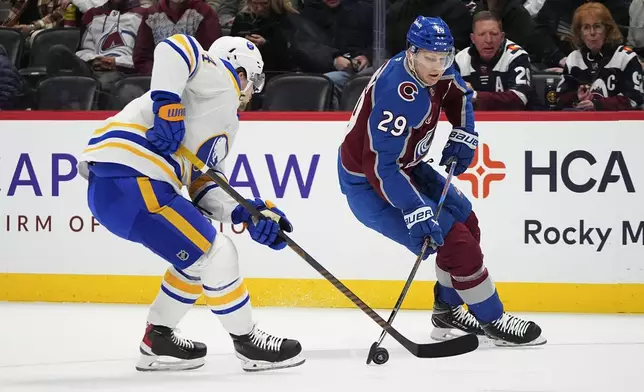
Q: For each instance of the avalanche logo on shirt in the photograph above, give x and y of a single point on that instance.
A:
(422, 147)
(407, 91)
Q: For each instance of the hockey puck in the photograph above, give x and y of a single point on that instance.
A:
(381, 356)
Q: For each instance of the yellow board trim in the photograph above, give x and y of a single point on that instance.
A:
(227, 298)
(179, 284)
(162, 165)
(171, 215)
(379, 294)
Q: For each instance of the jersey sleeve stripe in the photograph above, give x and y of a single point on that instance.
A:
(192, 55)
(203, 192)
(139, 140)
(156, 161)
(181, 53)
(195, 50)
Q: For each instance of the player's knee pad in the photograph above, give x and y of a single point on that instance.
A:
(461, 254)
(219, 264)
(472, 223)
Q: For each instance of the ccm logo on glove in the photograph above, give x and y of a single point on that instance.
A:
(420, 215)
(466, 138)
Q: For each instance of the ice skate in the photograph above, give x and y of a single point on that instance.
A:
(163, 350)
(261, 351)
(451, 322)
(511, 331)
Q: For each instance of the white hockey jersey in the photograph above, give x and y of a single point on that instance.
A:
(209, 89)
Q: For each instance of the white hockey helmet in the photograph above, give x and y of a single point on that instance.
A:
(241, 53)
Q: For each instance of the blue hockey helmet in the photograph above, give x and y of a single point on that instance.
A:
(430, 34)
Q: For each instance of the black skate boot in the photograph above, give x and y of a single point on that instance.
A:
(512, 331)
(162, 349)
(260, 351)
(451, 322)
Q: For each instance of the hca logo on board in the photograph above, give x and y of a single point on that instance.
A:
(482, 172)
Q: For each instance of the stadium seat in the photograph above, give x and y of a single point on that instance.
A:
(67, 93)
(352, 91)
(125, 90)
(298, 92)
(13, 43)
(70, 37)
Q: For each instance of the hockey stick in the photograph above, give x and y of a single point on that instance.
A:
(412, 274)
(458, 346)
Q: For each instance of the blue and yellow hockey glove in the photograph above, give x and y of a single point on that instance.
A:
(169, 129)
(264, 230)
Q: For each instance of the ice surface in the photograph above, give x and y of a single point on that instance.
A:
(83, 347)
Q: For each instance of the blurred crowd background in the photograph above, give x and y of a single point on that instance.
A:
(319, 54)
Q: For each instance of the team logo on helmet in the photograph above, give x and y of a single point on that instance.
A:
(407, 91)
(250, 45)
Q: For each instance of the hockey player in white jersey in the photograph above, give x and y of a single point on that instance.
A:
(135, 178)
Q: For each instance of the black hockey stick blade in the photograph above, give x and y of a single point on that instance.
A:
(457, 346)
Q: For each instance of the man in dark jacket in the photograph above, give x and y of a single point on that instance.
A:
(348, 25)
(10, 82)
(402, 13)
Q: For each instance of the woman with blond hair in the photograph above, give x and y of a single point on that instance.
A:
(602, 74)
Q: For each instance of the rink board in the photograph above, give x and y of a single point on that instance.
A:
(558, 196)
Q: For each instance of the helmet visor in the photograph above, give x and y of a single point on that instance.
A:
(438, 61)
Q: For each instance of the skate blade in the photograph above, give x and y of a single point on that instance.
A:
(153, 363)
(250, 365)
(443, 334)
(540, 341)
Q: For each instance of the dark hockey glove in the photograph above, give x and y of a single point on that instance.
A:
(460, 146)
(421, 223)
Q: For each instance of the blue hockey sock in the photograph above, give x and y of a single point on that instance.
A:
(488, 310)
(449, 295)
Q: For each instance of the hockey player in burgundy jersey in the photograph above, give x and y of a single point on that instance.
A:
(497, 69)
(392, 191)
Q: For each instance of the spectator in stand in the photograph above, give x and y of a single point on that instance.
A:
(227, 11)
(170, 17)
(265, 23)
(636, 29)
(10, 82)
(106, 47)
(32, 16)
(349, 28)
(601, 74)
(495, 68)
(401, 14)
(554, 28)
(518, 25)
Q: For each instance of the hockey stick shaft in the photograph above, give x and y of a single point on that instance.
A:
(420, 257)
(456, 346)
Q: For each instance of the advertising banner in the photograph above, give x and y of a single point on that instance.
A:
(558, 204)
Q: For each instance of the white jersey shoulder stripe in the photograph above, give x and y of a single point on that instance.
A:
(186, 48)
